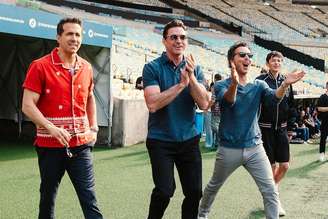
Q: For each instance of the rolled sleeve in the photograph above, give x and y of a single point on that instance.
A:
(92, 85)
(220, 89)
(148, 76)
(199, 75)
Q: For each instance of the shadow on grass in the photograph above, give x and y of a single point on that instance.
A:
(101, 148)
(16, 150)
(207, 153)
(137, 153)
(256, 214)
(307, 152)
(146, 162)
(303, 171)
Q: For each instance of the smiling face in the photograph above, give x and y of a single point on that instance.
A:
(70, 39)
(274, 64)
(242, 60)
(175, 41)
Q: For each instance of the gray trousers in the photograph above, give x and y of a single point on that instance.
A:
(256, 162)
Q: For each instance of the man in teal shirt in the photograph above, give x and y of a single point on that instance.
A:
(172, 87)
(240, 136)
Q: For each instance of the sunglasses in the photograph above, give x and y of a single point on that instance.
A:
(244, 54)
(175, 37)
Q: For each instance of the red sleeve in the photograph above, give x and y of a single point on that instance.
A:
(34, 78)
(91, 87)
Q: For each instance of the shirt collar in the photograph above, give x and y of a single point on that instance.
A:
(165, 59)
(57, 61)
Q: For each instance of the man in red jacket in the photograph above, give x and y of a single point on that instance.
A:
(58, 98)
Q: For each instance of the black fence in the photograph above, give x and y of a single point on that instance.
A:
(310, 2)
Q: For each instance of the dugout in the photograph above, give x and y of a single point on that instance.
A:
(26, 35)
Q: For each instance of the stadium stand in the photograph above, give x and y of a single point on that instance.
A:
(136, 43)
(136, 38)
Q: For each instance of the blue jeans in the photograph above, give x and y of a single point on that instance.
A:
(303, 133)
(53, 162)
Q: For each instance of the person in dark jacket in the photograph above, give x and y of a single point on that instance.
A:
(273, 121)
(323, 116)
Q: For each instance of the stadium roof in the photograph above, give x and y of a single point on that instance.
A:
(35, 23)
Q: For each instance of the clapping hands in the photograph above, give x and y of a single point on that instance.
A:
(188, 71)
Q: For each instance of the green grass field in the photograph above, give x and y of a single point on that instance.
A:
(124, 184)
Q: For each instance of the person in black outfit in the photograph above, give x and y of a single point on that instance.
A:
(273, 121)
(322, 108)
(139, 83)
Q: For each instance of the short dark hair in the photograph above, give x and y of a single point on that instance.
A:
(60, 25)
(217, 77)
(231, 51)
(274, 54)
(171, 24)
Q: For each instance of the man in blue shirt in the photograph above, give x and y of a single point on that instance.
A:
(240, 136)
(172, 88)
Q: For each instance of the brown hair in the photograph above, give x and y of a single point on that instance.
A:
(231, 51)
(274, 54)
(171, 24)
(63, 21)
(217, 77)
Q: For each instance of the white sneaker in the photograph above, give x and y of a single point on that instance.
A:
(322, 157)
(281, 211)
(310, 141)
(201, 217)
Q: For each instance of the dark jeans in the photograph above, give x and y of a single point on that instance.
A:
(53, 162)
(187, 159)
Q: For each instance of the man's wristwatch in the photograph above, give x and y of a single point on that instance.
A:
(94, 129)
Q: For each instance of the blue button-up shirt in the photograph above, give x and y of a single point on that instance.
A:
(176, 121)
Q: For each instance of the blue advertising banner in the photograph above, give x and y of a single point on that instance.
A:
(27, 22)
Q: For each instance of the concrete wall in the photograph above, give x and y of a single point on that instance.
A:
(130, 118)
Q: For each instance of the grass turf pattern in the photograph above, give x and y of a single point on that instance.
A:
(124, 184)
